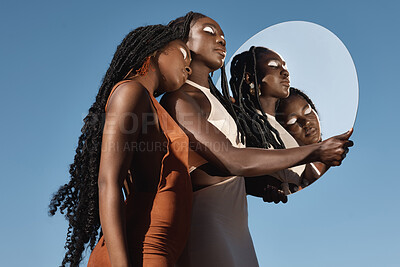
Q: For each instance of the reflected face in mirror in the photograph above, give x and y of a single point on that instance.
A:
(299, 118)
(207, 43)
(273, 74)
(306, 47)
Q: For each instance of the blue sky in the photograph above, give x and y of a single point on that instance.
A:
(54, 54)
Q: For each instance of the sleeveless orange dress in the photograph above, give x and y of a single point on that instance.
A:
(158, 223)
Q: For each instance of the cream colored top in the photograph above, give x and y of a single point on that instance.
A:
(293, 174)
(219, 233)
(221, 119)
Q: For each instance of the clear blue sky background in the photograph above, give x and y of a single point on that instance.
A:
(53, 55)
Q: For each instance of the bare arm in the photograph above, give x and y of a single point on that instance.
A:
(204, 138)
(267, 187)
(126, 103)
(315, 170)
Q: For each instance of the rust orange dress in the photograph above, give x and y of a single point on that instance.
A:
(158, 223)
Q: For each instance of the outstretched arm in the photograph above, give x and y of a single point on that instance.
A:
(205, 139)
(127, 101)
(268, 187)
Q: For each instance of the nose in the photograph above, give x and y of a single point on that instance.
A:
(221, 40)
(285, 73)
(304, 122)
(188, 70)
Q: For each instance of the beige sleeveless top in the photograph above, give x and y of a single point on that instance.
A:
(219, 233)
(293, 174)
(221, 119)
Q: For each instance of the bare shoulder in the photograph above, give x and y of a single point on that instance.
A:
(129, 97)
(172, 102)
(186, 100)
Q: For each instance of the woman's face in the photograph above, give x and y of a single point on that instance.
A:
(299, 119)
(173, 63)
(273, 75)
(207, 43)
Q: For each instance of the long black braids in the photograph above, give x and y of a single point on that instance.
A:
(258, 131)
(294, 91)
(183, 25)
(78, 199)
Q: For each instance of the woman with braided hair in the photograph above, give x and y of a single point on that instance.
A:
(128, 138)
(219, 234)
(259, 80)
(298, 115)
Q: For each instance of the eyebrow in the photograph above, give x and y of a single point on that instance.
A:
(306, 106)
(183, 46)
(272, 60)
(209, 24)
(294, 113)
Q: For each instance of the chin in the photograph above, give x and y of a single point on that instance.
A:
(216, 65)
(172, 87)
(176, 88)
(312, 140)
(286, 93)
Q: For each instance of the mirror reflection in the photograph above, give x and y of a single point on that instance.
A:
(319, 64)
(278, 75)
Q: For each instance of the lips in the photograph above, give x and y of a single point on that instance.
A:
(285, 82)
(310, 131)
(221, 51)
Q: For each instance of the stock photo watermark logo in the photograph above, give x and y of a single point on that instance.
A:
(133, 124)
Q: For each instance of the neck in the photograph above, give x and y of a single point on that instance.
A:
(268, 104)
(199, 74)
(150, 80)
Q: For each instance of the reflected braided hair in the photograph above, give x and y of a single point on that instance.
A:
(183, 25)
(78, 199)
(258, 131)
(292, 92)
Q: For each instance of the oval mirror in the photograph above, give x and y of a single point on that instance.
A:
(319, 65)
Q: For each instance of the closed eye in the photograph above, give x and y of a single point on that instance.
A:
(209, 30)
(273, 63)
(291, 121)
(184, 52)
(307, 110)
